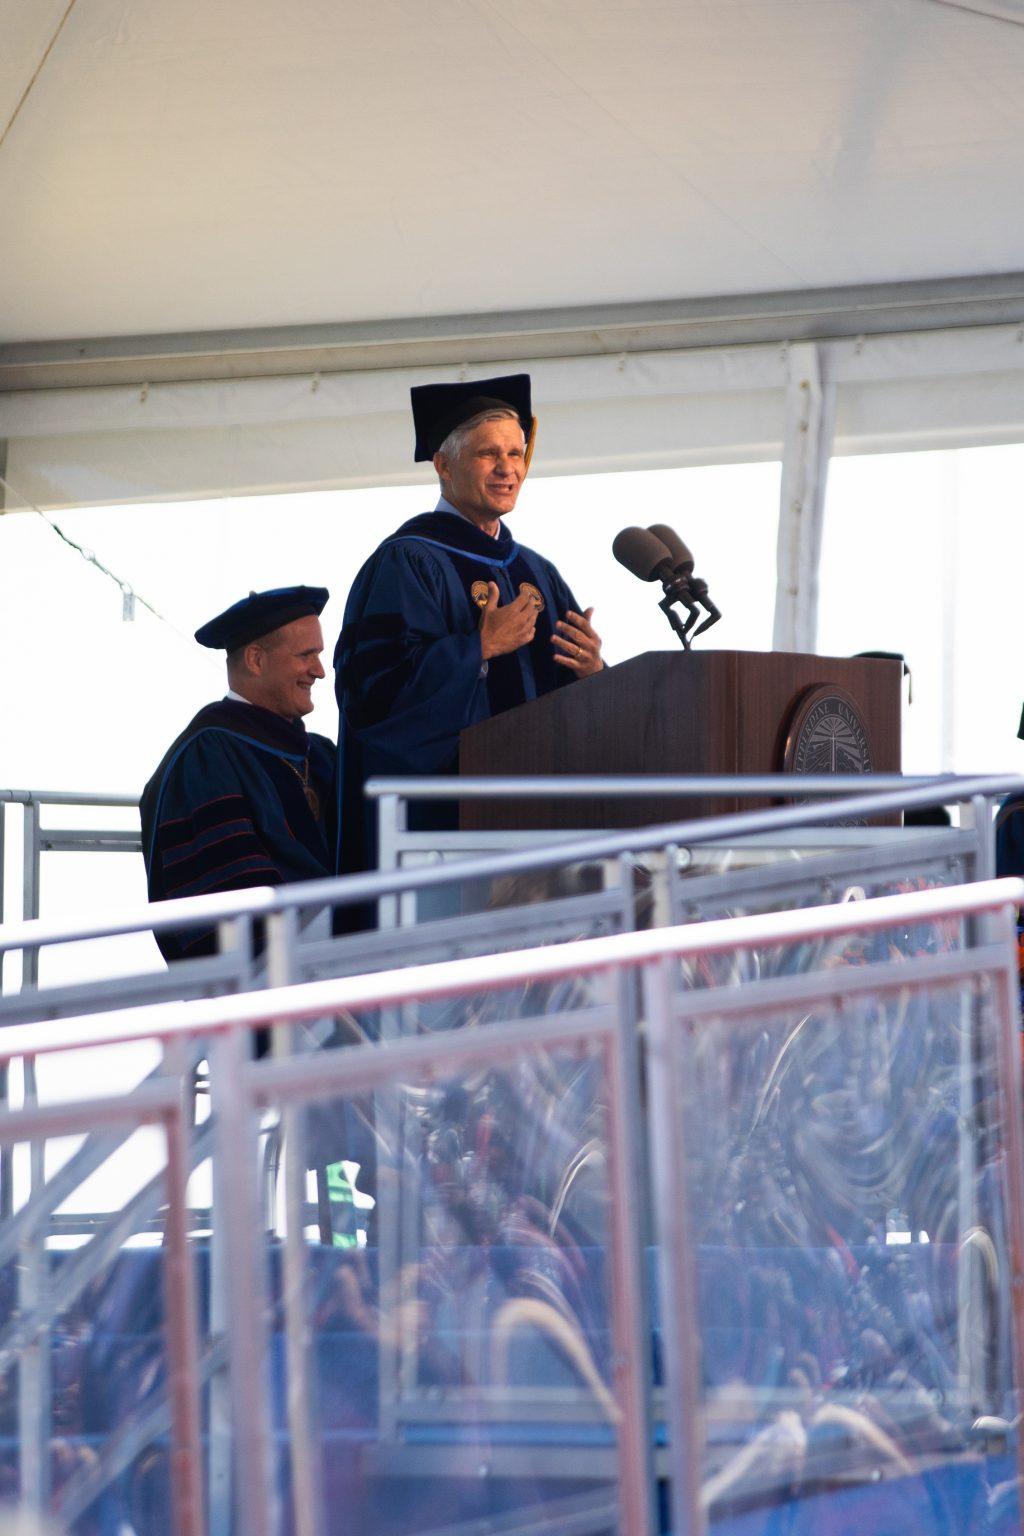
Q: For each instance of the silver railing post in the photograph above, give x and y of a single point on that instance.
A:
(971, 1308)
(30, 889)
(392, 823)
(34, 1365)
(1006, 1004)
(985, 837)
(973, 1322)
(243, 1277)
(392, 820)
(234, 937)
(631, 1370)
(181, 1316)
(6, 1153)
(678, 1300)
(303, 1441)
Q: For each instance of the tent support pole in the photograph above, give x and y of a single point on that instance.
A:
(807, 447)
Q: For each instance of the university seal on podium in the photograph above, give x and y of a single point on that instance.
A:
(826, 734)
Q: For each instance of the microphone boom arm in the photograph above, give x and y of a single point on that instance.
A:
(668, 609)
(692, 593)
(713, 617)
(699, 594)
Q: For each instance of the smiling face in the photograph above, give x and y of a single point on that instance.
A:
(278, 672)
(483, 479)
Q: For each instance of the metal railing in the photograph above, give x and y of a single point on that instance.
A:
(37, 840)
(295, 953)
(236, 914)
(298, 952)
(396, 796)
(966, 1003)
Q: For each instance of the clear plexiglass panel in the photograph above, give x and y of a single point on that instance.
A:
(458, 1300)
(700, 889)
(843, 1168)
(904, 941)
(84, 1343)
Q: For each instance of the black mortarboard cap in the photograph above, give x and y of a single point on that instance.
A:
(438, 409)
(259, 614)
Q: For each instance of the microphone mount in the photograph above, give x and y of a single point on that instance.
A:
(684, 589)
(659, 554)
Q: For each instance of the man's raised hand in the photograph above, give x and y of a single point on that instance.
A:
(577, 644)
(505, 629)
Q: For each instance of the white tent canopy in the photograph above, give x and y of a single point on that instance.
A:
(181, 166)
(713, 230)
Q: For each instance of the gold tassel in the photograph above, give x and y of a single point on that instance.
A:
(530, 442)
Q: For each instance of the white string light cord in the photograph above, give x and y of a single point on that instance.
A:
(129, 596)
(35, 74)
(997, 10)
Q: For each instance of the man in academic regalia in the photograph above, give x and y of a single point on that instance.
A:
(1010, 830)
(450, 621)
(1010, 857)
(245, 796)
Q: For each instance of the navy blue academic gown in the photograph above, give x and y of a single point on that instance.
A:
(1010, 861)
(408, 666)
(227, 809)
(1010, 837)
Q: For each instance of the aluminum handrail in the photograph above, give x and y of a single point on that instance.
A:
(203, 911)
(645, 785)
(450, 978)
(66, 797)
(424, 788)
(557, 785)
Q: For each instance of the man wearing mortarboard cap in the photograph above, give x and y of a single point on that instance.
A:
(245, 795)
(451, 621)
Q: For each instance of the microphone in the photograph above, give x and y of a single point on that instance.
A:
(674, 544)
(659, 554)
(641, 551)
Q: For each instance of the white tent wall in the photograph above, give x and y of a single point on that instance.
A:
(181, 441)
(231, 437)
(656, 409)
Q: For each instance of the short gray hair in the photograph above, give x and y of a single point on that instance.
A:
(236, 664)
(456, 439)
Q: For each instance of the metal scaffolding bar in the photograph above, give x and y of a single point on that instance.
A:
(747, 320)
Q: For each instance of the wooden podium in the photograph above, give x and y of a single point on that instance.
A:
(687, 712)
